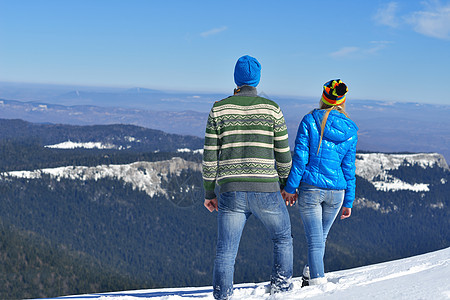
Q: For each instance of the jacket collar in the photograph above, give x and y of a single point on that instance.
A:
(246, 91)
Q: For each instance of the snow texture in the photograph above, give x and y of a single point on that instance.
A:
(87, 145)
(375, 167)
(363, 202)
(144, 176)
(99, 145)
(421, 277)
(189, 150)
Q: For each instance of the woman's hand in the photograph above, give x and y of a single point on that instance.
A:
(346, 213)
(289, 198)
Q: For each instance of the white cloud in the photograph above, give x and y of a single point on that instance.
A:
(345, 51)
(387, 15)
(434, 21)
(358, 52)
(377, 46)
(213, 31)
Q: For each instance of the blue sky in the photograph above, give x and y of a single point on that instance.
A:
(384, 50)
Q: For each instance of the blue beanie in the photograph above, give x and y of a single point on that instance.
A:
(247, 71)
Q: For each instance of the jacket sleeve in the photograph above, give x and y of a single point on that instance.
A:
(348, 168)
(282, 152)
(300, 158)
(211, 152)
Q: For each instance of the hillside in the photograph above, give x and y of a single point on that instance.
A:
(29, 263)
(116, 136)
(140, 214)
(419, 277)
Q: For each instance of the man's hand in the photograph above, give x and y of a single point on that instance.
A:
(211, 204)
(289, 198)
(346, 213)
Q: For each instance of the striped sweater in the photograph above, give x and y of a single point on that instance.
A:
(246, 145)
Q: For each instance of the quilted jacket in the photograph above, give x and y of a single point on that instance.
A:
(333, 167)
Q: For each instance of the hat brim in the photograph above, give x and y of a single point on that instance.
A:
(337, 101)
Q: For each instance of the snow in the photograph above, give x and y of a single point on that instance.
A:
(397, 185)
(421, 277)
(132, 139)
(363, 202)
(99, 145)
(88, 145)
(40, 107)
(189, 150)
(144, 176)
(375, 168)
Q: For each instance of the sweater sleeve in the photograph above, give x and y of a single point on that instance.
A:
(282, 151)
(300, 158)
(211, 152)
(348, 168)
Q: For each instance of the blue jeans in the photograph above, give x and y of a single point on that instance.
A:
(318, 209)
(234, 210)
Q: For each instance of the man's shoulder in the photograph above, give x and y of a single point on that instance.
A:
(222, 102)
(268, 101)
(245, 101)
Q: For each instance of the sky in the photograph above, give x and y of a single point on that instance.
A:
(383, 50)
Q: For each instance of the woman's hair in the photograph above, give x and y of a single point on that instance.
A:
(340, 108)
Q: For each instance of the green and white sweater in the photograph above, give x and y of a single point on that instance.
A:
(246, 145)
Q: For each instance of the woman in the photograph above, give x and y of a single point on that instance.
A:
(323, 170)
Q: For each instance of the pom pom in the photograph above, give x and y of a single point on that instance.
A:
(341, 89)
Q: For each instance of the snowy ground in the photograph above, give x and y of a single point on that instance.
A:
(421, 277)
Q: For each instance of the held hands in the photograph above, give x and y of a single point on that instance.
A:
(289, 198)
(292, 198)
(211, 205)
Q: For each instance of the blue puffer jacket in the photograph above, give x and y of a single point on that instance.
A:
(334, 166)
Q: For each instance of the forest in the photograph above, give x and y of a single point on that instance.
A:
(62, 236)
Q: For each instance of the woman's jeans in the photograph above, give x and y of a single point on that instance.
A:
(234, 210)
(318, 209)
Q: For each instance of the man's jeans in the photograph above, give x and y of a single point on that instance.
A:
(318, 209)
(234, 210)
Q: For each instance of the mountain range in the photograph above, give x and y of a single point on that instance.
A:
(101, 190)
(383, 125)
(116, 207)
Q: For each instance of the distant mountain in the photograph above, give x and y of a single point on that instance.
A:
(384, 126)
(138, 90)
(137, 97)
(120, 137)
(140, 214)
(179, 122)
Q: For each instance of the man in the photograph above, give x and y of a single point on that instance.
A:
(247, 154)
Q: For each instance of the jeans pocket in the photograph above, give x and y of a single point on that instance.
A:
(309, 196)
(337, 197)
(269, 201)
(227, 201)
